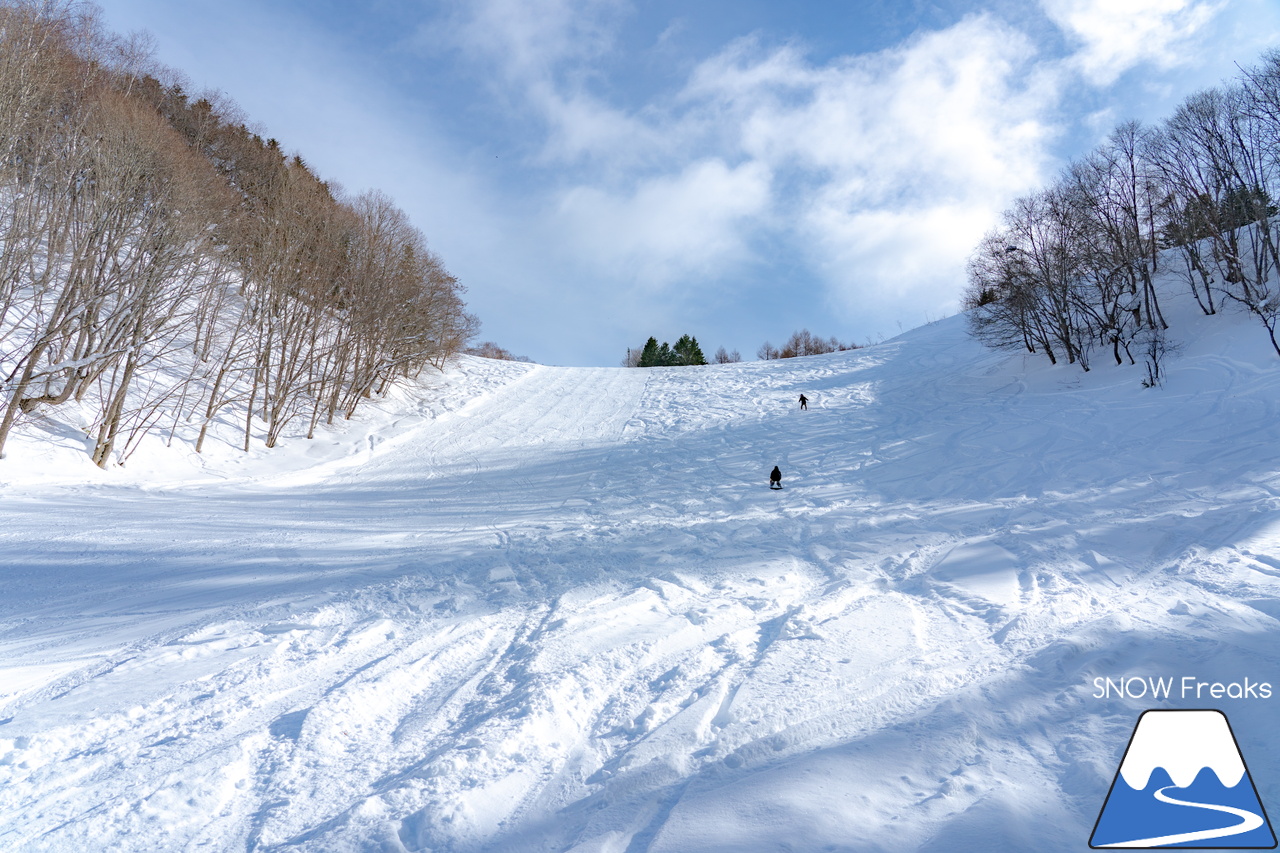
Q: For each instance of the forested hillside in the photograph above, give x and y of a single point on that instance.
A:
(165, 266)
(1072, 268)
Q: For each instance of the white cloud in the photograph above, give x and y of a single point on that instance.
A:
(875, 175)
(670, 227)
(532, 40)
(545, 53)
(1117, 35)
(901, 158)
(949, 110)
(884, 261)
(583, 128)
(879, 171)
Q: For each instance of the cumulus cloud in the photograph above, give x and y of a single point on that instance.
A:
(544, 55)
(875, 174)
(534, 40)
(669, 226)
(908, 151)
(951, 121)
(1116, 35)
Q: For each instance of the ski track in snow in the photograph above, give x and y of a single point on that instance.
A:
(558, 609)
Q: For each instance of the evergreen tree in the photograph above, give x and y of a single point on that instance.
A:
(687, 351)
(649, 355)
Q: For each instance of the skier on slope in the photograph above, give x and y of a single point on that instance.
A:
(804, 403)
(775, 478)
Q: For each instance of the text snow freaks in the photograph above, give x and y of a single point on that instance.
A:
(1186, 687)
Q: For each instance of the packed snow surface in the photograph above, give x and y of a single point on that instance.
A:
(525, 608)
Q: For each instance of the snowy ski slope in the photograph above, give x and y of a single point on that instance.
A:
(531, 608)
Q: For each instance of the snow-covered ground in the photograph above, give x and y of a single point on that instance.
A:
(524, 608)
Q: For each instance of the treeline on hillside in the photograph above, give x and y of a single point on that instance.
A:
(162, 260)
(800, 344)
(687, 352)
(1071, 268)
(489, 349)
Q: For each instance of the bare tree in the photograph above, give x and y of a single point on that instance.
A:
(129, 213)
(1115, 196)
(722, 356)
(43, 158)
(1074, 265)
(1218, 170)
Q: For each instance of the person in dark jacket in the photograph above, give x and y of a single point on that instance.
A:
(775, 478)
(804, 403)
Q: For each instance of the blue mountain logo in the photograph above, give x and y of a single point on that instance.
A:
(1183, 783)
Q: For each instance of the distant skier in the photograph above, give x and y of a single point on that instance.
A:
(804, 403)
(775, 478)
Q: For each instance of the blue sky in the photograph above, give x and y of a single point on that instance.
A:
(599, 171)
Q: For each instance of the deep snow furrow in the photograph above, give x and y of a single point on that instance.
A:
(240, 710)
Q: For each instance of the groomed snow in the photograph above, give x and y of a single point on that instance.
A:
(522, 608)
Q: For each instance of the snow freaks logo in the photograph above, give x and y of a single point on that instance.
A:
(1182, 783)
(1187, 687)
